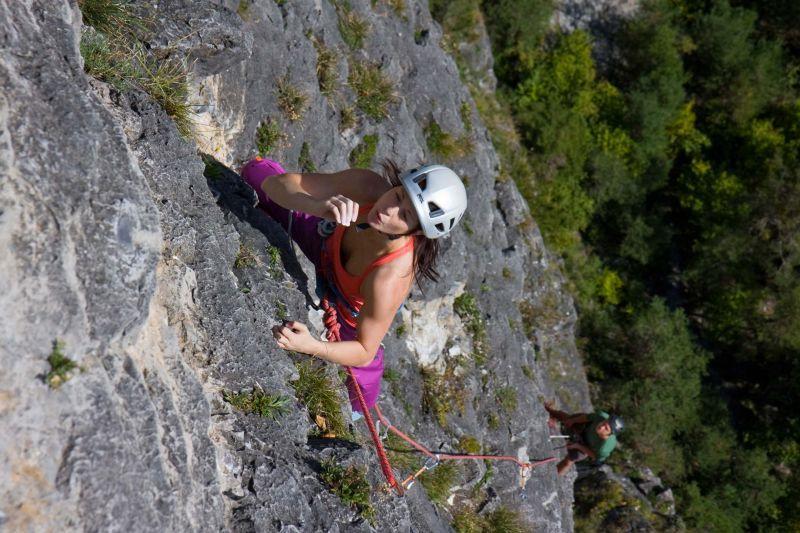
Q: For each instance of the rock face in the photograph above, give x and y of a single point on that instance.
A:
(117, 245)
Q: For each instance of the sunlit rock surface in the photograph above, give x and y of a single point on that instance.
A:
(116, 245)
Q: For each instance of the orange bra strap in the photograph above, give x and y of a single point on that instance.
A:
(382, 260)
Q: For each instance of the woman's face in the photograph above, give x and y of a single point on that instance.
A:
(393, 213)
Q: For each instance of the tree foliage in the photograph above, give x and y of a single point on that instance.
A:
(670, 183)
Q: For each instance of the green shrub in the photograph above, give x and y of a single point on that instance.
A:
(506, 520)
(350, 485)
(111, 17)
(327, 71)
(440, 480)
(258, 402)
(444, 144)
(320, 395)
(61, 366)
(113, 54)
(352, 27)
(466, 307)
(363, 154)
(469, 445)
(305, 162)
(269, 137)
(374, 91)
(213, 170)
(442, 394)
(105, 62)
(291, 100)
(167, 82)
(246, 258)
(507, 398)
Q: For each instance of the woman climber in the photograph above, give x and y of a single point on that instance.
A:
(383, 239)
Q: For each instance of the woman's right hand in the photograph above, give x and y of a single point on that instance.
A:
(340, 209)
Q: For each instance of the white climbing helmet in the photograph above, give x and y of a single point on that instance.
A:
(438, 196)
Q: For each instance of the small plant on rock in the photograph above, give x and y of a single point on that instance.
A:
(112, 17)
(444, 144)
(61, 366)
(327, 63)
(352, 27)
(442, 394)
(274, 256)
(246, 258)
(374, 91)
(291, 100)
(507, 398)
(213, 170)
(440, 480)
(466, 307)
(258, 402)
(350, 485)
(347, 117)
(469, 444)
(305, 162)
(362, 155)
(320, 395)
(269, 137)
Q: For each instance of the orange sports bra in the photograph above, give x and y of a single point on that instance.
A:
(349, 285)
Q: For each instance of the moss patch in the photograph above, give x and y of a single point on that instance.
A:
(246, 257)
(352, 27)
(269, 137)
(258, 402)
(440, 480)
(317, 391)
(363, 154)
(291, 100)
(466, 307)
(350, 485)
(442, 394)
(374, 91)
(61, 366)
(305, 162)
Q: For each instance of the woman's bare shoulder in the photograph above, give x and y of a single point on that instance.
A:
(359, 184)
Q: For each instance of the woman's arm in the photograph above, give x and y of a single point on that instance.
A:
(384, 289)
(310, 192)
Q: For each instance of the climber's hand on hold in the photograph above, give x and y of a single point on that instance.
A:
(294, 336)
(341, 209)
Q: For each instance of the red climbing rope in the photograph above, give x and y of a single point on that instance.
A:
(332, 326)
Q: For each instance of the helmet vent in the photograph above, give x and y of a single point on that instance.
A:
(422, 183)
(435, 210)
(452, 222)
(440, 227)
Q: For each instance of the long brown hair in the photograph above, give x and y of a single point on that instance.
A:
(426, 251)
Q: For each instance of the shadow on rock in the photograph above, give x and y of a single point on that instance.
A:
(236, 197)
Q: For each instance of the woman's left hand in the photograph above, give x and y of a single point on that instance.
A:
(295, 336)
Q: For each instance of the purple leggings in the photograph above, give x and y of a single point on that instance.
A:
(304, 233)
